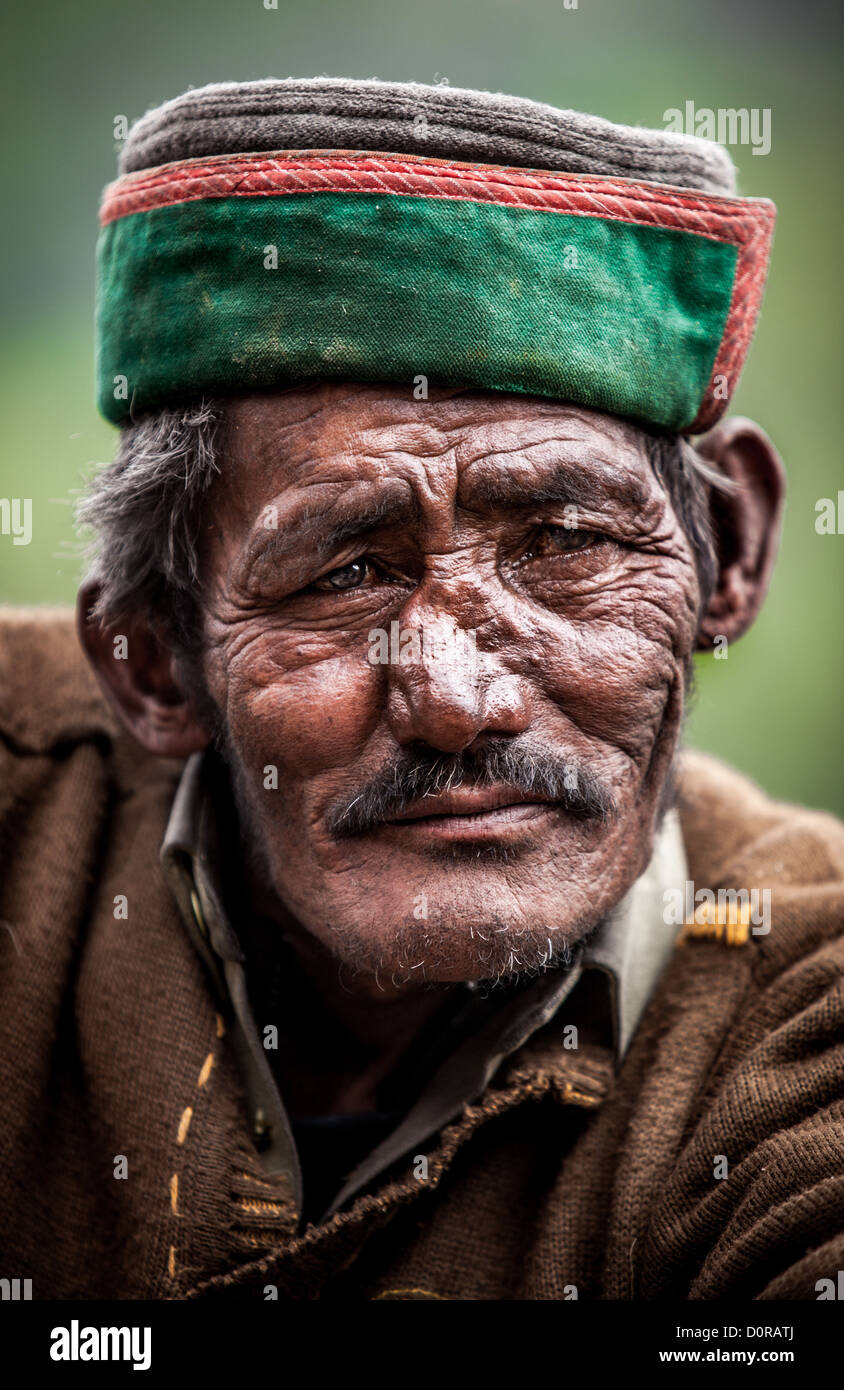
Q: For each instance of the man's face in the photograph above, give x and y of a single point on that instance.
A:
(459, 629)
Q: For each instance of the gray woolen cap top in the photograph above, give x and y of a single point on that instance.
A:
(336, 113)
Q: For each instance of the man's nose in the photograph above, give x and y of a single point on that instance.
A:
(445, 691)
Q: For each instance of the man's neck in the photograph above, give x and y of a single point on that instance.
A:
(339, 1038)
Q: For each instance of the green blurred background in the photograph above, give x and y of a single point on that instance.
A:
(774, 708)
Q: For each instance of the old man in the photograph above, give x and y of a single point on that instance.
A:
(343, 958)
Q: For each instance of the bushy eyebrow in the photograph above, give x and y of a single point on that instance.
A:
(328, 527)
(305, 526)
(587, 485)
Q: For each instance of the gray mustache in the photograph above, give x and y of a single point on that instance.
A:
(516, 763)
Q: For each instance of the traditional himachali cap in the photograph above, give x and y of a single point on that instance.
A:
(267, 233)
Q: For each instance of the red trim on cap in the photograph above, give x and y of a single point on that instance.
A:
(746, 223)
(748, 288)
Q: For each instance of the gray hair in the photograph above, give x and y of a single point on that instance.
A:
(145, 511)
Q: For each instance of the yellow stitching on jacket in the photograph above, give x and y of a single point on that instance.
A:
(181, 1135)
(252, 1204)
(261, 1240)
(404, 1293)
(570, 1093)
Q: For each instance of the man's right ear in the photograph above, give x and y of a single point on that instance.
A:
(137, 672)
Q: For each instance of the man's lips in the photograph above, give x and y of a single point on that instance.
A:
(470, 813)
(467, 801)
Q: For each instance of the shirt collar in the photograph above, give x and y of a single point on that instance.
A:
(633, 943)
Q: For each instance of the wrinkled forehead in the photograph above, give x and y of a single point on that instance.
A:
(475, 449)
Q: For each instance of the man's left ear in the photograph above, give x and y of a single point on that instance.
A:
(746, 525)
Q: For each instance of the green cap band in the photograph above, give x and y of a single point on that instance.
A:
(252, 272)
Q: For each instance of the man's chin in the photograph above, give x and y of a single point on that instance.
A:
(443, 949)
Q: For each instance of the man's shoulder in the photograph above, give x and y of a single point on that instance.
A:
(738, 838)
(51, 707)
(48, 696)
(732, 827)
(756, 1020)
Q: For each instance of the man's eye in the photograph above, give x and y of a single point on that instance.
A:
(557, 539)
(349, 576)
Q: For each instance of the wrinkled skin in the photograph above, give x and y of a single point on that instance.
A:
(584, 650)
(585, 621)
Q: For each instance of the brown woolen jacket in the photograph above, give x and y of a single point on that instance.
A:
(565, 1178)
